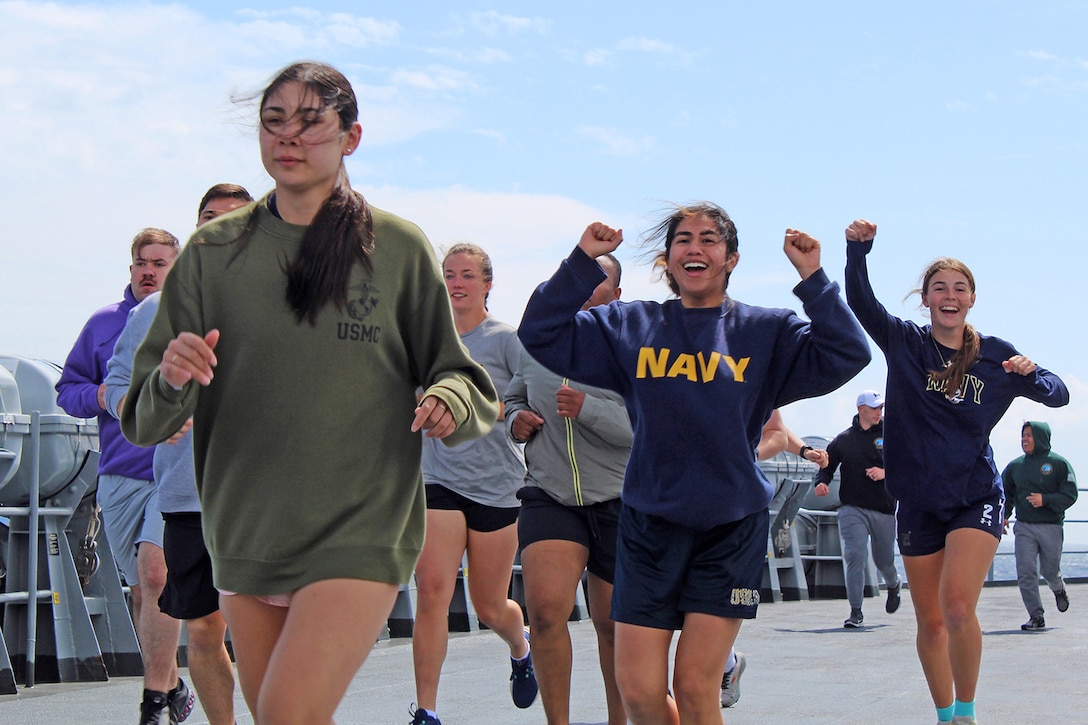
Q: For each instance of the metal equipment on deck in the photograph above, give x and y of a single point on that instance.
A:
(48, 464)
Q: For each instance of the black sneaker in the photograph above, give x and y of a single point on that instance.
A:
(1035, 623)
(181, 701)
(1063, 600)
(153, 709)
(892, 604)
(854, 620)
(420, 717)
(523, 687)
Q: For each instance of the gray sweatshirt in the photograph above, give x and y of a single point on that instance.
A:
(579, 461)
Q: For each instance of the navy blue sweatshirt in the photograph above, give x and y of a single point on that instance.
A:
(937, 454)
(698, 383)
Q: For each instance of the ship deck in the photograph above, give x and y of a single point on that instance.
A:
(803, 667)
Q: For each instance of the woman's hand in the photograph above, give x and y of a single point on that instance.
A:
(600, 239)
(189, 357)
(433, 416)
(860, 230)
(1019, 364)
(803, 251)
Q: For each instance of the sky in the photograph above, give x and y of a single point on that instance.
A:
(957, 126)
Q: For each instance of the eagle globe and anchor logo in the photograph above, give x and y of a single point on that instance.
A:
(362, 303)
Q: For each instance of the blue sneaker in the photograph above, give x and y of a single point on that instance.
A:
(523, 687)
(420, 717)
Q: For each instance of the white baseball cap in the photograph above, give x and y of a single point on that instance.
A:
(871, 399)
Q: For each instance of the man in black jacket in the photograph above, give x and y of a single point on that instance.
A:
(867, 511)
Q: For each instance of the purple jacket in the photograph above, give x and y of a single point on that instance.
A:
(77, 390)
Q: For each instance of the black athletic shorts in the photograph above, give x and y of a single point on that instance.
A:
(543, 518)
(189, 592)
(479, 517)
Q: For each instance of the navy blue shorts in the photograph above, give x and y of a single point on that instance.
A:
(479, 517)
(921, 533)
(665, 570)
(542, 518)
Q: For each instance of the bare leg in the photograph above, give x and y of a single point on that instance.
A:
(701, 654)
(600, 603)
(552, 571)
(318, 643)
(158, 632)
(137, 604)
(642, 673)
(255, 628)
(931, 641)
(945, 588)
(490, 566)
(436, 577)
(210, 667)
(968, 554)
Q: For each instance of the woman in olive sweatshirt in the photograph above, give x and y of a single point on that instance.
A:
(296, 332)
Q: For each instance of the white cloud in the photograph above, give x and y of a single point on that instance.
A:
(645, 45)
(598, 56)
(526, 235)
(474, 55)
(343, 28)
(359, 31)
(495, 23)
(491, 133)
(615, 143)
(1039, 55)
(434, 79)
(1044, 81)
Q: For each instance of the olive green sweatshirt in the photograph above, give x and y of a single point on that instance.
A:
(305, 461)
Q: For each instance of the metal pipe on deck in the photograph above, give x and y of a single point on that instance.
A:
(32, 545)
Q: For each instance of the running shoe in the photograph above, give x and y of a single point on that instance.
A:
(893, 602)
(731, 682)
(854, 620)
(1063, 600)
(1035, 623)
(420, 717)
(181, 701)
(153, 710)
(523, 687)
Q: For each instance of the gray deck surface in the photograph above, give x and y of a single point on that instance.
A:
(803, 667)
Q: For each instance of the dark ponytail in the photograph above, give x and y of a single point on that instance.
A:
(341, 234)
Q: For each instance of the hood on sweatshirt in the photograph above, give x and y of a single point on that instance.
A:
(1041, 432)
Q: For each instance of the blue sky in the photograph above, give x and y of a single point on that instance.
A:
(957, 126)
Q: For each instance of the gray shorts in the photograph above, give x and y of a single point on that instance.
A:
(130, 515)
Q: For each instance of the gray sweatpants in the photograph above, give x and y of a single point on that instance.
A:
(856, 527)
(1038, 550)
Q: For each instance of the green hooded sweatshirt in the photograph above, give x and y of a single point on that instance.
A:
(1041, 471)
